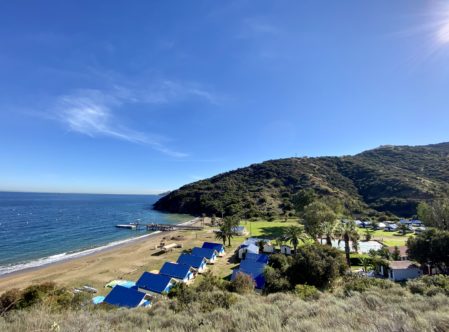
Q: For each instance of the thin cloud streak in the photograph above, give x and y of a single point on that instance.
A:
(90, 112)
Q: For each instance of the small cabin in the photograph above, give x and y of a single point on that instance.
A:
(197, 262)
(121, 296)
(180, 272)
(268, 248)
(210, 254)
(253, 269)
(259, 258)
(403, 270)
(155, 283)
(245, 249)
(286, 250)
(216, 246)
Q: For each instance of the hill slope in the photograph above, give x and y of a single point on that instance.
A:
(391, 179)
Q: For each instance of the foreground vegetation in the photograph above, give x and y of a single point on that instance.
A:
(353, 304)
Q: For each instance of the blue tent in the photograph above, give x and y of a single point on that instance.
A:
(260, 258)
(125, 297)
(209, 254)
(194, 261)
(254, 269)
(178, 271)
(157, 283)
(217, 246)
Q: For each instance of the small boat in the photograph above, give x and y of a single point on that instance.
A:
(127, 226)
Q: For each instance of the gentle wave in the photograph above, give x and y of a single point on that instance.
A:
(66, 256)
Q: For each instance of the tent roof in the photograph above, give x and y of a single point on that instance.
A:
(261, 258)
(203, 252)
(124, 297)
(194, 261)
(153, 282)
(178, 271)
(210, 245)
(254, 270)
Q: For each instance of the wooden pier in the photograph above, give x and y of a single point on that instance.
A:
(167, 228)
(160, 227)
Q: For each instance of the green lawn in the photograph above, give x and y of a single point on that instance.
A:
(267, 229)
(388, 238)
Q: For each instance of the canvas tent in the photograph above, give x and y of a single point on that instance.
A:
(197, 262)
(156, 283)
(254, 269)
(209, 254)
(216, 246)
(126, 297)
(260, 258)
(178, 271)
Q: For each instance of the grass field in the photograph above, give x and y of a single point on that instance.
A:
(267, 229)
(388, 238)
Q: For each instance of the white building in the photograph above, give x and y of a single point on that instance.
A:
(251, 248)
(286, 250)
(403, 270)
(268, 248)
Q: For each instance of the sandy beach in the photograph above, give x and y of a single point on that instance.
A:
(126, 261)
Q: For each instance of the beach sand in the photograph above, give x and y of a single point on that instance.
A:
(126, 261)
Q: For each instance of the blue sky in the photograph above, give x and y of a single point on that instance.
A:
(143, 96)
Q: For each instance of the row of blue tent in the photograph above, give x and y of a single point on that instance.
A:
(133, 295)
(253, 265)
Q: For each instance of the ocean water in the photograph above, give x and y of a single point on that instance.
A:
(40, 228)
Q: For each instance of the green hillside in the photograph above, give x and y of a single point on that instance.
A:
(389, 179)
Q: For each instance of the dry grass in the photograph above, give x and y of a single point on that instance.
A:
(373, 310)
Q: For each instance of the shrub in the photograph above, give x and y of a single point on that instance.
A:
(280, 262)
(361, 284)
(183, 294)
(242, 284)
(275, 281)
(210, 282)
(429, 285)
(9, 300)
(316, 265)
(210, 301)
(306, 292)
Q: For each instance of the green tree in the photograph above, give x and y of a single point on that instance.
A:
(317, 265)
(366, 263)
(294, 235)
(396, 254)
(430, 248)
(227, 228)
(329, 230)
(303, 198)
(403, 228)
(315, 215)
(435, 214)
(368, 234)
(221, 235)
(347, 232)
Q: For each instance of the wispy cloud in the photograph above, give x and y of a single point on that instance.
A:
(90, 112)
(94, 112)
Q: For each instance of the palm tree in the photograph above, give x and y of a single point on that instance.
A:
(347, 232)
(328, 229)
(403, 228)
(294, 235)
(227, 228)
(220, 235)
(366, 264)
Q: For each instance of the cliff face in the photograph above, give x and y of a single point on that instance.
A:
(391, 179)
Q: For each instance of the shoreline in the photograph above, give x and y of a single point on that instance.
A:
(73, 256)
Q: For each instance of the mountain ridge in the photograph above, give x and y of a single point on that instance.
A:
(389, 180)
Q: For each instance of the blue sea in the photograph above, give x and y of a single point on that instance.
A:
(41, 228)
